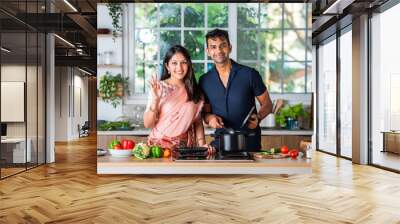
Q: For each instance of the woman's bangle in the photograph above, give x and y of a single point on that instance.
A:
(199, 139)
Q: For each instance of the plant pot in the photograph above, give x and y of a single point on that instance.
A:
(103, 31)
(292, 123)
(120, 90)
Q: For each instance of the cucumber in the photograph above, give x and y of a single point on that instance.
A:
(275, 150)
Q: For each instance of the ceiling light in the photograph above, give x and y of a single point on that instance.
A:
(84, 71)
(70, 5)
(65, 41)
(5, 49)
(337, 7)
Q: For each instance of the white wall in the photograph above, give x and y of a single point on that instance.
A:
(105, 111)
(67, 112)
(61, 104)
(80, 98)
(14, 73)
(33, 126)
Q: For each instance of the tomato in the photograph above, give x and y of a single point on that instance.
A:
(293, 153)
(167, 153)
(118, 146)
(284, 149)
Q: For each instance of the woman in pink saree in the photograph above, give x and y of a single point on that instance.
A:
(174, 107)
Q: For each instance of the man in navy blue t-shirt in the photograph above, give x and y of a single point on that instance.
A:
(230, 90)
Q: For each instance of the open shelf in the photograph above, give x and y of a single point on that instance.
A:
(108, 35)
(109, 66)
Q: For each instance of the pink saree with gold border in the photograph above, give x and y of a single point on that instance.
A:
(177, 115)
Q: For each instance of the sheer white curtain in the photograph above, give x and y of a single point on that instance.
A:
(327, 97)
(346, 94)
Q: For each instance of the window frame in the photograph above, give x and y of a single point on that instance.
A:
(129, 57)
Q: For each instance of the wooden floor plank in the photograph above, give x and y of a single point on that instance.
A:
(70, 191)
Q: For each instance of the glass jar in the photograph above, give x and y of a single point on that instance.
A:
(107, 57)
(100, 60)
(138, 115)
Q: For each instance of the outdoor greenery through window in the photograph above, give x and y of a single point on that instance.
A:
(273, 38)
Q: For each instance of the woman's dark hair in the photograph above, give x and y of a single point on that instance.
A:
(192, 89)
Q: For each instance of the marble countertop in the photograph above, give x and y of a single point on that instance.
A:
(208, 131)
(131, 165)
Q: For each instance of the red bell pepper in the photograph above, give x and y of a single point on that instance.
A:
(127, 144)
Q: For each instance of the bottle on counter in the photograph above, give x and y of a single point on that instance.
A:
(309, 151)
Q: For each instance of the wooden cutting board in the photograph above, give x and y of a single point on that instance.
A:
(258, 156)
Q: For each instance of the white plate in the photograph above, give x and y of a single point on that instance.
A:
(101, 152)
(120, 153)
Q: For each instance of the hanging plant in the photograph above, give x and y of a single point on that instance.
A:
(115, 11)
(112, 88)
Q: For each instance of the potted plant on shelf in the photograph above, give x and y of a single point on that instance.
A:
(112, 88)
(115, 11)
(288, 117)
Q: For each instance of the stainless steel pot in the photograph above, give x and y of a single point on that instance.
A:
(233, 140)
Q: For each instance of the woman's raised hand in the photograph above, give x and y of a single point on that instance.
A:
(155, 87)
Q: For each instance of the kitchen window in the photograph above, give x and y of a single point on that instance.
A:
(274, 38)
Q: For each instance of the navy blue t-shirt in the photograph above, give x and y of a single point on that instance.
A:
(234, 102)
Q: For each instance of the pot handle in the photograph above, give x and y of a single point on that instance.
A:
(251, 134)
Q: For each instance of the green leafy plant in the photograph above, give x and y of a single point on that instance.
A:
(115, 125)
(115, 10)
(294, 112)
(112, 88)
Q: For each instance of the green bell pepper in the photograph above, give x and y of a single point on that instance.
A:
(156, 152)
(113, 143)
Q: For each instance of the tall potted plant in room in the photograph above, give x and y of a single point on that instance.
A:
(115, 10)
(112, 88)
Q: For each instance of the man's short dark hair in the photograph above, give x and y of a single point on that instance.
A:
(222, 34)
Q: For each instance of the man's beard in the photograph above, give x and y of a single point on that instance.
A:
(221, 60)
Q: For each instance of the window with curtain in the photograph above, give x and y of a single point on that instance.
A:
(327, 96)
(346, 94)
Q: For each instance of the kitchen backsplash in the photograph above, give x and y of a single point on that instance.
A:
(134, 113)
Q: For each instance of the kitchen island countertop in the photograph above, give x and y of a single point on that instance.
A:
(131, 165)
(208, 131)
